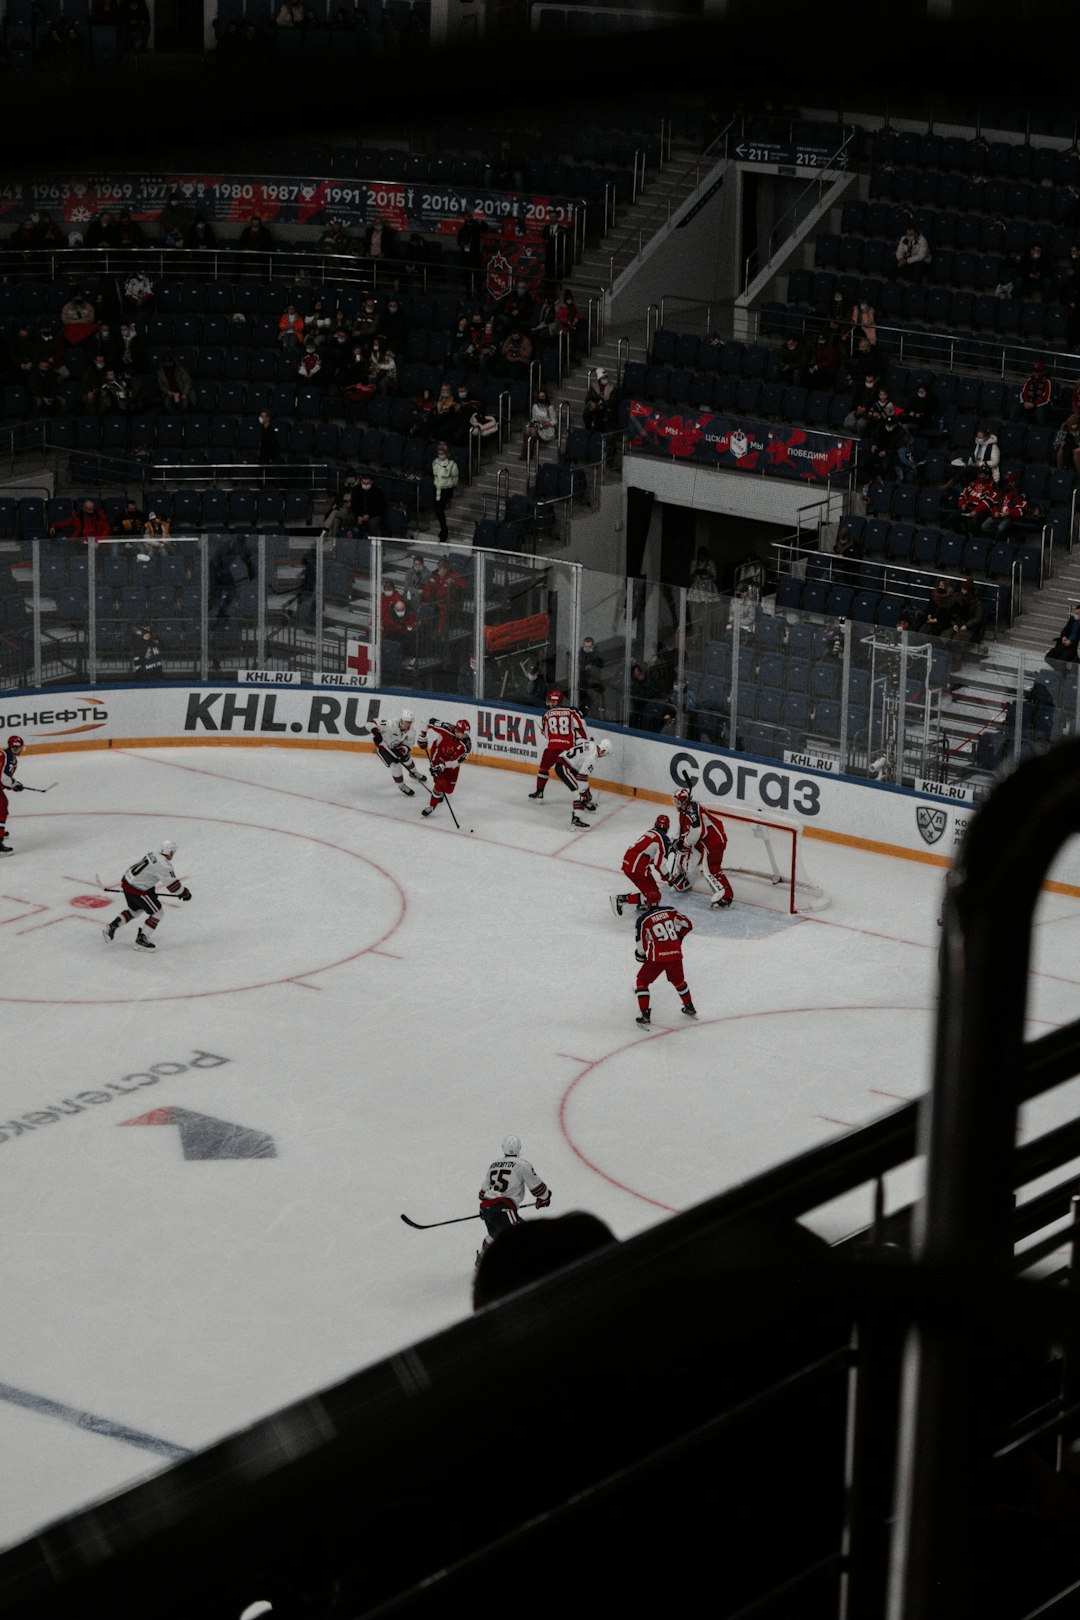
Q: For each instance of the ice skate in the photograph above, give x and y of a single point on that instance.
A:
(143, 943)
(690, 1011)
(576, 821)
(5, 847)
(403, 787)
(109, 932)
(616, 904)
(539, 794)
(428, 808)
(721, 902)
(644, 1019)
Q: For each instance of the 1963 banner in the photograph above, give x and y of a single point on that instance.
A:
(221, 197)
(724, 442)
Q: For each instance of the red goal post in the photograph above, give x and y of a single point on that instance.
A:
(769, 849)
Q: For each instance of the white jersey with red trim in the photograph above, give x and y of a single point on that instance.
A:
(8, 768)
(508, 1180)
(563, 725)
(392, 734)
(582, 757)
(152, 872)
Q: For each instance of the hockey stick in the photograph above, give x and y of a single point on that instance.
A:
(26, 788)
(421, 1226)
(446, 796)
(118, 888)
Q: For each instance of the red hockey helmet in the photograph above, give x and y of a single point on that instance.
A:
(15, 742)
(681, 798)
(662, 824)
(462, 728)
(554, 698)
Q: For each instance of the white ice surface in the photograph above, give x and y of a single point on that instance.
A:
(392, 997)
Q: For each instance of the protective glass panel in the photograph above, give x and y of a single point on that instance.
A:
(64, 578)
(602, 649)
(528, 628)
(427, 617)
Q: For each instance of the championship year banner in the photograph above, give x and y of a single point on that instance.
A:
(279, 199)
(732, 444)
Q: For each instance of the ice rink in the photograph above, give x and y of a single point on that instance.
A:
(353, 1011)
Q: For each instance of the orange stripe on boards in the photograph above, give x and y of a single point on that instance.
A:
(925, 857)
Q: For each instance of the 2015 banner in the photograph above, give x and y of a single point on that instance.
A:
(731, 444)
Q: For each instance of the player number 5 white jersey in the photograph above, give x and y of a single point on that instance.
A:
(582, 757)
(510, 1178)
(152, 872)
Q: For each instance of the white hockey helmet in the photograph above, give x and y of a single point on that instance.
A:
(511, 1146)
(407, 717)
(167, 848)
(603, 746)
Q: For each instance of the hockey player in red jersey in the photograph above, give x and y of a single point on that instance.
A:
(701, 833)
(448, 744)
(643, 864)
(562, 727)
(660, 933)
(9, 764)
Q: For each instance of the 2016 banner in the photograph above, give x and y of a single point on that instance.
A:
(724, 442)
(220, 197)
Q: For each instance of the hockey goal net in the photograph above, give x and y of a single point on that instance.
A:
(766, 850)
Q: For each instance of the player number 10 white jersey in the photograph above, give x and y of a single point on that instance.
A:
(152, 872)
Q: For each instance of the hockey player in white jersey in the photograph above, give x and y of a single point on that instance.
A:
(140, 884)
(575, 767)
(394, 742)
(505, 1185)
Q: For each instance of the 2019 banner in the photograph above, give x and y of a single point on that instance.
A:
(277, 199)
(724, 442)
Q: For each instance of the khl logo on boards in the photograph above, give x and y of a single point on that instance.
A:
(931, 822)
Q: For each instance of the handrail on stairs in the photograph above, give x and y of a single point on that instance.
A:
(789, 222)
(716, 148)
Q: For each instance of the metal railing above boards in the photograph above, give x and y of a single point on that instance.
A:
(630, 245)
(925, 349)
(871, 576)
(71, 266)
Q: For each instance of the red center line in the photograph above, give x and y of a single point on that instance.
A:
(302, 985)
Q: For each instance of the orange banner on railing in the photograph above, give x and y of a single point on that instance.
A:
(499, 638)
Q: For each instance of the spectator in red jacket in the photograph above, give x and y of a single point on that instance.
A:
(1035, 395)
(438, 587)
(978, 501)
(89, 523)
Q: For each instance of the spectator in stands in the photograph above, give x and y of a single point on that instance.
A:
(568, 320)
(200, 236)
(133, 25)
(985, 452)
(256, 238)
(590, 671)
(532, 687)
(174, 219)
(518, 308)
(969, 618)
(382, 367)
(334, 239)
(138, 293)
(890, 447)
(402, 625)
(792, 362)
(545, 325)
(455, 427)
(823, 362)
(47, 346)
(368, 504)
(863, 324)
(1065, 646)
(99, 231)
(913, 254)
(387, 602)
(1036, 280)
(291, 330)
(422, 414)
(516, 352)
(132, 519)
(470, 241)
(336, 355)
(302, 603)
(379, 241)
(444, 470)
(309, 368)
(338, 516)
(127, 232)
(147, 663)
(415, 580)
(92, 384)
(1033, 403)
(78, 319)
(269, 441)
(941, 609)
(88, 523)
(393, 325)
(318, 322)
(642, 694)
(542, 425)
(1066, 445)
(742, 612)
(44, 386)
(923, 410)
(156, 527)
(482, 426)
(1011, 508)
(598, 413)
(702, 585)
(978, 501)
(366, 320)
(356, 389)
(858, 418)
(441, 583)
(444, 406)
(290, 14)
(175, 385)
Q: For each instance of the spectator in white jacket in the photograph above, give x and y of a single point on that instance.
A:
(913, 254)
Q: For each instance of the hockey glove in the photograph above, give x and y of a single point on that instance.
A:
(639, 956)
(543, 1201)
(377, 736)
(16, 787)
(185, 894)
